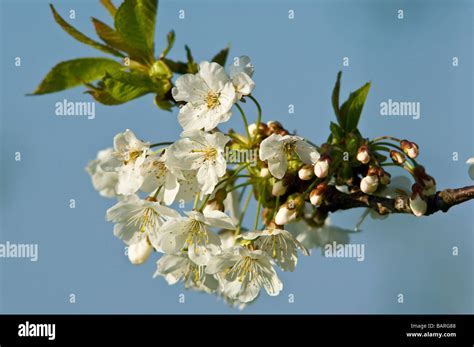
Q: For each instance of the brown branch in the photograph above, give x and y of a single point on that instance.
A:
(441, 201)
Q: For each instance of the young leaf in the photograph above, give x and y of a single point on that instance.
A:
(335, 98)
(113, 38)
(352, 108)
(135, 22)
(163, 104)
(176, 66)
(109, 7)
(221, 57)
(125, 86)
(81, 37)
(192, 66)
(170, 38)
(336, 131)
(72, 73)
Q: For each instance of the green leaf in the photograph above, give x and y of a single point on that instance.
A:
(335, 98)
(135, 22)
(113, 38)
(72, 73)
(352, 108)
(176, 66)
(336, 131)
(120, 86)
(80, 36)
(192, 66)
(163, 104)
(170, 39)
(109, 6)
(221, 57)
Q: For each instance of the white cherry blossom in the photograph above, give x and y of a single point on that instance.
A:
(276, 148)
(105, 179)
(193, 233)
(279, 244)
(241, 71)
(209, 96)
(243, 272)
(179, 268)
(202, 152)
(137, 219)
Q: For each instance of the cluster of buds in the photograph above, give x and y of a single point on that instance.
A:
(316, 196)
(409, 148)
(418, 204)
(265, 130)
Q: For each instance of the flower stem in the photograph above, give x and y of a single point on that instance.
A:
(239, 186)
(385, 138)
(259, 114)
(246, 205)
(196, 200)
(244, 118)
(259, 206)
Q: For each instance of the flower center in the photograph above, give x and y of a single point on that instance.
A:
(132, 156)
(209, 153)
(197, 233)
(212, 100)
(145, 218)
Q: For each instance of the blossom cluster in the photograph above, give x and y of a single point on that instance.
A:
(206, 248)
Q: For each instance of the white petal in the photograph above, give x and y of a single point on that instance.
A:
(190, 88)
(278, 167)
(213, 74)
(307, 153)
(218, 219)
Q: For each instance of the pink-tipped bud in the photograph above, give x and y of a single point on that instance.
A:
(397, 157)
(321, 168)
(316, 196)
(409, 148)
(306, 173)
(363, 154)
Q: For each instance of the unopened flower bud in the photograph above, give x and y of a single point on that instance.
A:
(409, 148)
(397, 157)
(363, 154)
(417, 204)
(426, 182)
(264, 172)
(306, 173)
(214, 205)
(279, 188)
(321, 168)
(369, 184)
(252, 128)
(317, 195)
(139, 252)
(285, 215)
(275, 127)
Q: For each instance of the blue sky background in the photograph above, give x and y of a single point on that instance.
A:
(296, 63)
